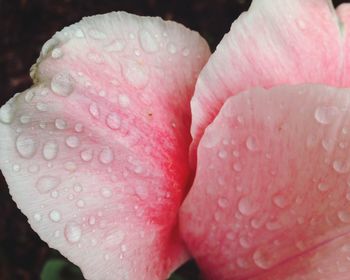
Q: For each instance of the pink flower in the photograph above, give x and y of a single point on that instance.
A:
(97, 153)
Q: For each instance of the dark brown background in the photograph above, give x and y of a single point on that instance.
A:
(24, 26)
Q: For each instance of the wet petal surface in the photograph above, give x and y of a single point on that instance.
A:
(271, 197)
(274, 43)
(96, 153)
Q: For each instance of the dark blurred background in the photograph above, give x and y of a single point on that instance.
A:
(24, 27)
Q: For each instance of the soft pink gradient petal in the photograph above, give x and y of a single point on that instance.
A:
(271, 196)
(275, 42)
(96, 153)
(343, 12)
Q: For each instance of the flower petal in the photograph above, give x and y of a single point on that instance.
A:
(343, 12)
(271, 195)
(275, 42)
(96, 153)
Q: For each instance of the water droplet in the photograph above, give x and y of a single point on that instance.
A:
(16, 167)
(77, 188)
(60, 124)
(26, 146)
(113, 121)
(37, 217)
(147, 41)
(42, 107)
(50, 150)
(246, 206)
(92, 220)
(106, 192)
(70, 166)
(78, 127)
(115, 238)
(87, 155)
(251, 144)
(341, 166)
(326, 115)
(54, 194)
(72, 141)
(80, 203)
(24, 119)
(244, 242)
(6, 113)
(323, 187)
(72, 232)
(222, 154)
(97, 34)
(46, 184)
(106, 156)
(223, 202)
(262, 259)
(29, 96)
(274, 225)
(94, 110)
(344, 216)
(141, 191)
(280, 201)
(115, 46)
(62, 84)
(123, 100)
(56, 53)
(237, 167)
(55, 216)
(242, 263)
(79, 33)
(172, 48)
(185, 52)
(137, 75)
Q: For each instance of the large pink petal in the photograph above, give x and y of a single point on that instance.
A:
(275, 42)
(344, 15)
(271, 196)
(96, 153)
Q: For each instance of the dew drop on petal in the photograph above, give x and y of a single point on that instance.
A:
(280, 201)
(137, 75)
(246, 206)
(37, 217)
(344, 216)
(87, 155)
(341, 166)
(123, 100)
(60, 124)
(322, 187)
(56, 53)
(147, 41)
(55, 216)
(50, 150)
(262, 260)
(172, 48)
(46, 184)
(26, 146)
(62, 84)
(6, 113)
(106, 156)
(326, 115)
(113, 121)
(72, 232)
(72, 141)
(251, 144)
(106, 192)
(223, 202)
(94, 110)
